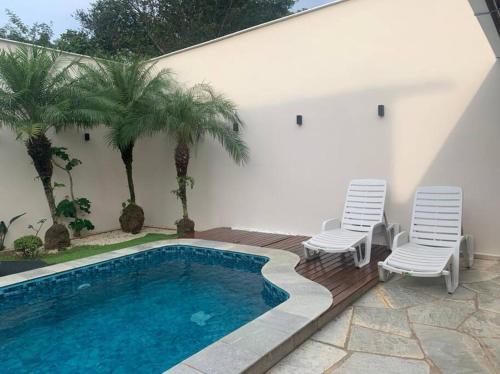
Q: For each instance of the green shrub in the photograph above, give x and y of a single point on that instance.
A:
(28, 245)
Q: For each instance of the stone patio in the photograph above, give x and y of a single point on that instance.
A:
(411, 325)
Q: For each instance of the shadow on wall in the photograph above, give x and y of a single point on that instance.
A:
(470, 158)
(297, 176)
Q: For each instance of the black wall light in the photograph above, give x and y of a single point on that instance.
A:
(299, 120)
(86, 136)
(236, 127)
(381, 110)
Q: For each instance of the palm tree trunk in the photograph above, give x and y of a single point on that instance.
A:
(40, 150)
(127, 157)
(181, 165)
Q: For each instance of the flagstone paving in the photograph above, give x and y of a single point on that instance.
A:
(336, 333)
(388, 320)
(411, 325)
(444, 313)
(363, 362)
(493, 349)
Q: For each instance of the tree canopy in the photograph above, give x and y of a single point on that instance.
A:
(38, 33)
(149, 28)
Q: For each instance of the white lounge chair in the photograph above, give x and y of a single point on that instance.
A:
(363, 213)
(432, 248)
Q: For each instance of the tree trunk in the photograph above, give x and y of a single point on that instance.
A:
(76, 233)
(127, 157)
(40, 150)
(181, 164)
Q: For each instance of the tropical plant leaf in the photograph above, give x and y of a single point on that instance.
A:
(13, 219)
(3, 229)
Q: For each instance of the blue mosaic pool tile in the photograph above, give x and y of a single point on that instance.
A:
(67, 282)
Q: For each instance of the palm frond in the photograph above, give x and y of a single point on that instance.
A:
(230, 140)
(128, 95)
(191, 114)
(36, 90)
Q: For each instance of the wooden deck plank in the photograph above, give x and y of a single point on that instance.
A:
(336, 272)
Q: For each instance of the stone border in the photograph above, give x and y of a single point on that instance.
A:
(254, 347)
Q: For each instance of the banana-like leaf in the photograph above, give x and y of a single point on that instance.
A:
(3, 229)
(16, 218)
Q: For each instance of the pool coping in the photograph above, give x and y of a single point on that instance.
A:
(255, 346)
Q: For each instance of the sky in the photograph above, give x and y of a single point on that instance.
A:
(60, 12)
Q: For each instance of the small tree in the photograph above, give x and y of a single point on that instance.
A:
(38, 92)
(71, 207)
(190, 115)
(130, 94)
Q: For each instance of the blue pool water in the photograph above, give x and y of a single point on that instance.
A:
(142, 313)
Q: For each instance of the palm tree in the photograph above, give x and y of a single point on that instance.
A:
(190, 115)
(38, 92)
(129, 94)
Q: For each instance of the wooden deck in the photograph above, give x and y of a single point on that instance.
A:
(334, 271)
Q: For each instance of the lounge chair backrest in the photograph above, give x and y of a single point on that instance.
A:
(364, 204)
(437, 216)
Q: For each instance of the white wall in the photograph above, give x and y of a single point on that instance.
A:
(428, 61)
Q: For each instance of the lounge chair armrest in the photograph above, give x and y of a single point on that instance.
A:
(330, 224)
(376, 226)
(400, 239)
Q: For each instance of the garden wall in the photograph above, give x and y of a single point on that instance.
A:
(427, 61)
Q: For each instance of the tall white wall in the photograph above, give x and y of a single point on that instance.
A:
(427, 61)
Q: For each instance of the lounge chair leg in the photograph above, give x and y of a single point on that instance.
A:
(451, 277)
(383, 274)
(359, 259)
(356, 256)
(469, 250)
(310, 254)
(447, 279)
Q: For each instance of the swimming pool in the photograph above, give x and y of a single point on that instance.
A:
(141, 313)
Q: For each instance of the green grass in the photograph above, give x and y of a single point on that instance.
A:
(8, 257)
(83, 251)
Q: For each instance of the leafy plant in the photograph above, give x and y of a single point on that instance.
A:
(189, 116)
(80, 224)
(4, 229)
(28, 245)
(153, 27)
(186, 181)
(38, 225)
(71, 207)
(130, 94)
(39, 93)
(16, 29)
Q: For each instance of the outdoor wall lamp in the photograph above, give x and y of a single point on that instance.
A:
(299, 120)
(236, 128)
(381, 110)
(86, 136)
